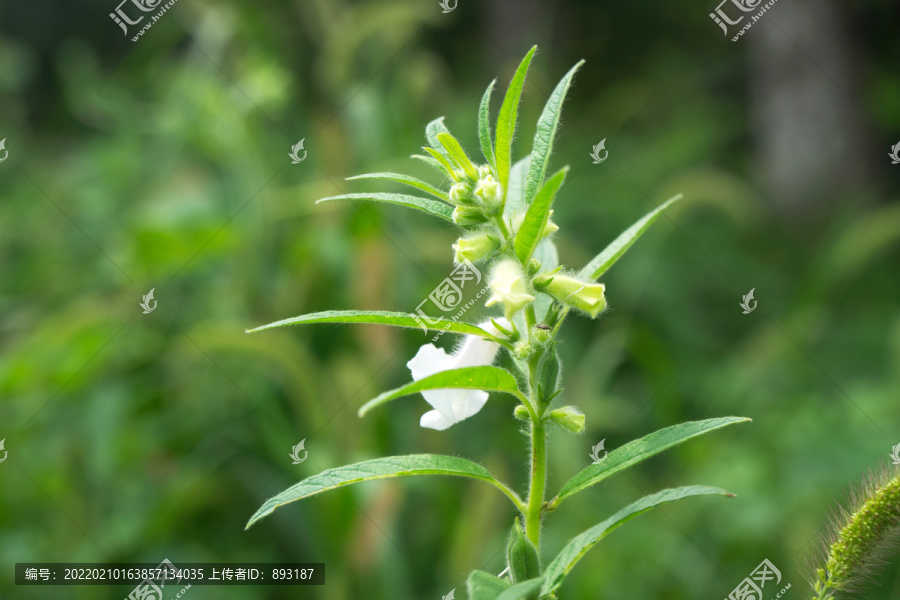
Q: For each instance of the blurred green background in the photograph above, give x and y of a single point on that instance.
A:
(164, 164)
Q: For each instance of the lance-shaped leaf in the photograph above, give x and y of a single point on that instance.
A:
(435, 208)
(639, 450)
(431, 162)
(488, 379)
(457, 154)
(484, 586)
(606, 259)
(573, 551)
(545, 135)
(515, 196)
(396, 319)
(532, 229)
(506, 120)
(381, 468)
(406, 180)
(443, 161)
(431, 133)
(484, 126)
(527, 590)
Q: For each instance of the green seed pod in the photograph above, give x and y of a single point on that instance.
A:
(549, 375)
(521, 556)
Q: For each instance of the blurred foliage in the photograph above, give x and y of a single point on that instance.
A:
(163, 164)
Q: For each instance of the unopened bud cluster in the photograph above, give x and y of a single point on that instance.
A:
(479, 205)
(479, 202)
(476, 200)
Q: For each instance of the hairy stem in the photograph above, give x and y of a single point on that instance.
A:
(562, 317)
(502, 228)
(535, 508)
(538, 482)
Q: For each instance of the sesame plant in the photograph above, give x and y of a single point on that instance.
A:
(503, 210)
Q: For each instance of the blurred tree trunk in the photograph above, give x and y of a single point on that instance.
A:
(810, 135)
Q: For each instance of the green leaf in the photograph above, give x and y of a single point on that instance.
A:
(435, 208)
(380, 468)
(606, 259)
(545, 135)
(457, 154)
(488, 379)
(442, 160)
(378, 318)
(431, 133)
(573, 551)
(515, 197)
(527, 590)
(431, 162)
(506, 120)
(484, 586)
(639, 450)
(531, 231)
(484, 126)
(407, 180)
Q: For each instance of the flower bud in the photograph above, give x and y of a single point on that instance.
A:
(581, 295)
(522, 349)
(461, 193)
(468, 216)
(522, 413)
(509, 287)
(568, 418)
(541, 336)
(475, 247)
(488, 191)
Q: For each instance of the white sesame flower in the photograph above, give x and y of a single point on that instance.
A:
(452, 406)
(509, 287)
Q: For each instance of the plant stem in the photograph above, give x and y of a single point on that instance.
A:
(562, 317)
(538, 482)
(501, 226)
(823, 592)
